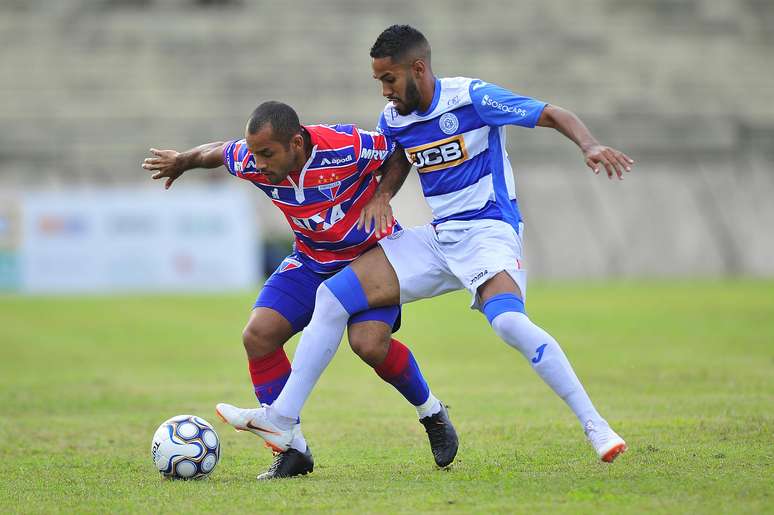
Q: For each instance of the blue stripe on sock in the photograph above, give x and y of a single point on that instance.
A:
(267, 393)
(346, 287)
(502, 303)
(411, 384)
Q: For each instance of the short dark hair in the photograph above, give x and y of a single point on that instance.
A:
(283, 119)
(399, 41)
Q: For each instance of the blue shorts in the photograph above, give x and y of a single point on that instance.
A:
(291, 290)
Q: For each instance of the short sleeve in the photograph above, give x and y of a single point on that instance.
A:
(375, 148)
(498, 106)
(238, 160)
(384, 129)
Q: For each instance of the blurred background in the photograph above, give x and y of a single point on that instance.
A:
(685, 87)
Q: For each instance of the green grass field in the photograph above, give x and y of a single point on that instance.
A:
(684, 371)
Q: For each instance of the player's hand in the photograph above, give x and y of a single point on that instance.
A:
(377, 214)
(166, 165)
(615, 162)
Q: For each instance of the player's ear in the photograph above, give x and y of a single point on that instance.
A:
(297, 141)
(418, 68)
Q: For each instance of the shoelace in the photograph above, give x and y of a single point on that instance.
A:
(278, 457)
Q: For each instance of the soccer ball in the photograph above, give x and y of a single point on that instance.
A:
(185, 447)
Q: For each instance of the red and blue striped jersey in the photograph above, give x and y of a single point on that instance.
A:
(323, 200)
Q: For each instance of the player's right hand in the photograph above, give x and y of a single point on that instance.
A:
(166, 165)
(377, 213)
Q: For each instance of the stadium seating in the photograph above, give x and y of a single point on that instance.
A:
(686, 87)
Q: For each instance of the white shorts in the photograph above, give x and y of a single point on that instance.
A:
(432, 261)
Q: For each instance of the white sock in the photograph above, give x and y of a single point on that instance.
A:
(299, 443)
(318, 345)
(430, 407)
(548, 360)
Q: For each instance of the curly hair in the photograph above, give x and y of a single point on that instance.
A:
(399, 41)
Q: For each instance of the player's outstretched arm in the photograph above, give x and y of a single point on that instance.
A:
(594, 153)
(171, 164)
(378, 212)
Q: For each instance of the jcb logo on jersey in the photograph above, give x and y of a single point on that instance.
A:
(438, 155)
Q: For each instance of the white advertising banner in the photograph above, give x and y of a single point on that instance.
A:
(184, 239)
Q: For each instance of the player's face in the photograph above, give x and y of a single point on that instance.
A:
(274, 159)
(398, 84)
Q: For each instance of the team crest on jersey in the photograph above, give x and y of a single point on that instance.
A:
(449, 123)
(289, 264)
(330, 190)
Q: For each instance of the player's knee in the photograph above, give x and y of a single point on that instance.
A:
(259, 340)
(506, 325)
(371, 346)
(514, 329)
(506, 314)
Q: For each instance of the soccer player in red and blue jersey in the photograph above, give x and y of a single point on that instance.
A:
(320, 177)
(453, 132)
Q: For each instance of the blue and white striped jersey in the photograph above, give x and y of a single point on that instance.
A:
(458, 148)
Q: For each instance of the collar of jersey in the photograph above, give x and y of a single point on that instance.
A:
(299, 188)
(436, 96)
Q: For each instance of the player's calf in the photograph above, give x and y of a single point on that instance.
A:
(506, 314)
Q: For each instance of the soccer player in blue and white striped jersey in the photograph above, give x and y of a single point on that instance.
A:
(453, 132)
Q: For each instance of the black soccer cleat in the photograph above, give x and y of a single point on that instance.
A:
(442, 436)
(290, 463)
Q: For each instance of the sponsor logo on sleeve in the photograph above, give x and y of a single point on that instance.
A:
(494, 104)
(372, 153)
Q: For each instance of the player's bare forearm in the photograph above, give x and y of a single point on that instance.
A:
(594, 153)
(170, 164)
(378, 212)
(393, 174)
(568, 124)
(209, 155)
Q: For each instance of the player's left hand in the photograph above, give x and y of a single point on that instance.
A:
(377, 214)
(165, 164)
(614, 161)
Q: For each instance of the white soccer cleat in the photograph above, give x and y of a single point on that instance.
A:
(256, 421)
(605, 441)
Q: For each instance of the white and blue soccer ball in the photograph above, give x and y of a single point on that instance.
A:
(185, 447)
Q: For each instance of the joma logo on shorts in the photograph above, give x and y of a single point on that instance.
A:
(438, 155)
(478, 276)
